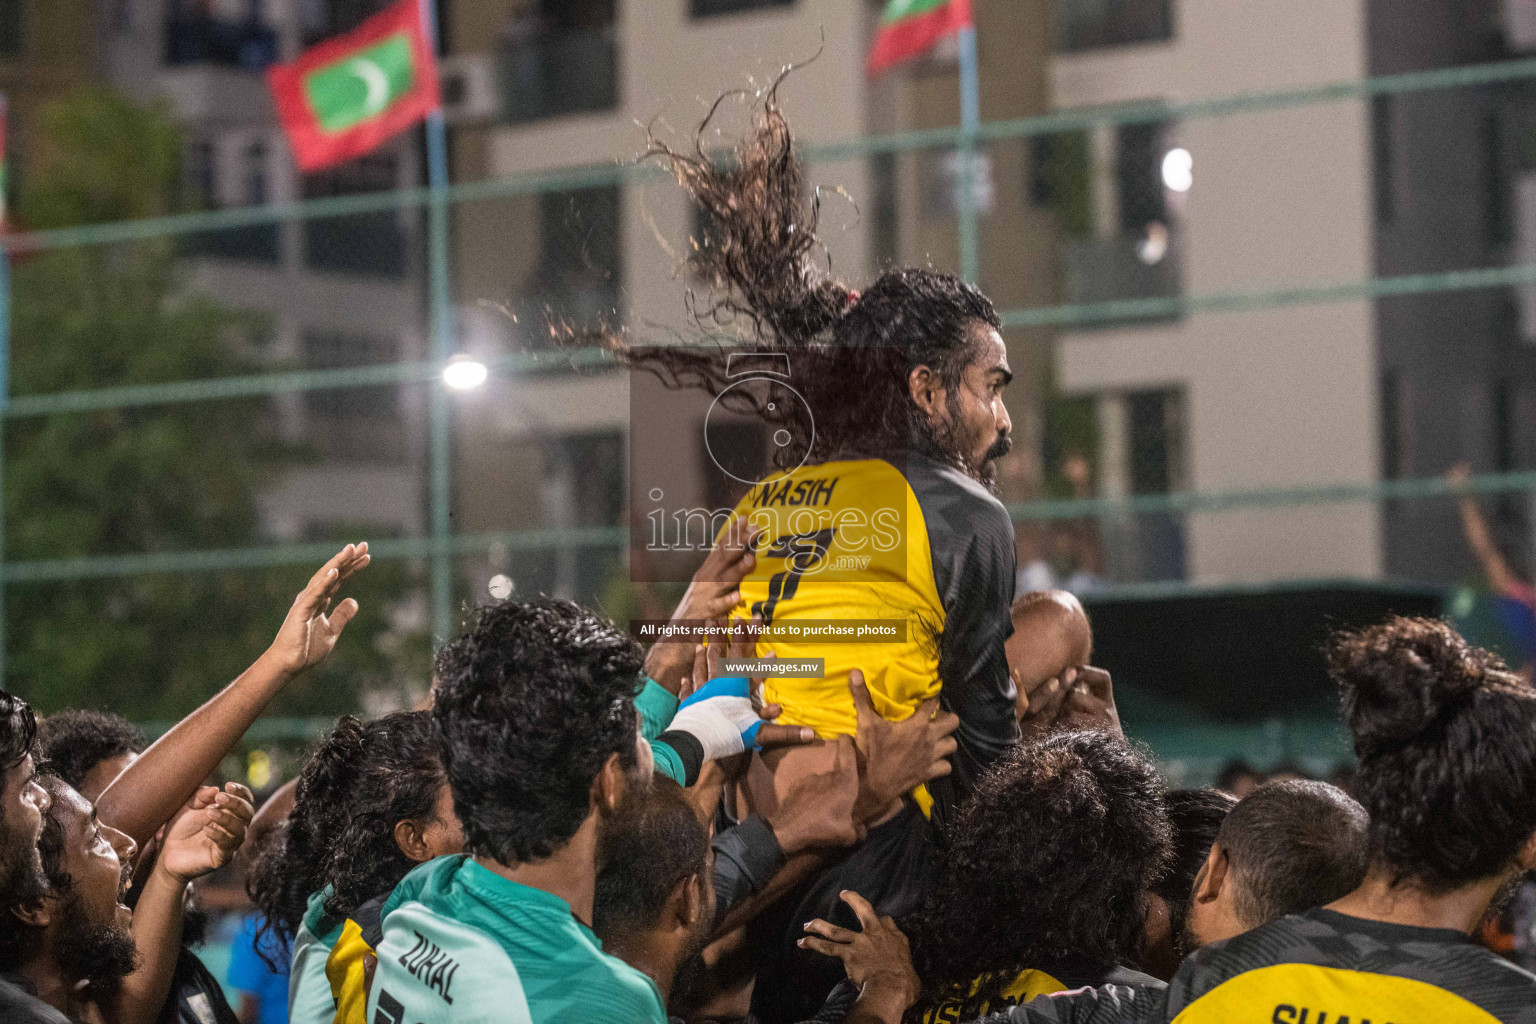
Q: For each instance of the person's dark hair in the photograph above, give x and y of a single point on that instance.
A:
(74, 742)
(1048, 862)
(1196, 816)
(1234, 771)
(21, 877)
(18, 732)
(655, 843)
(1291, 846)
(341, 832)
(530, 705)
(851, 351)
(1446, 738)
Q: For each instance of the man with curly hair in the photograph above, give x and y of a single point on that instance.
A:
(88, 749)
(1012, 916)
(535, 711)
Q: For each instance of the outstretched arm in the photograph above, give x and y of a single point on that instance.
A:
(166, 775)
(713, 592)
(1479, 537)
(203, 837)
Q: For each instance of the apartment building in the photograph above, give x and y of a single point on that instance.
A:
(336, 292)
(1322, 194)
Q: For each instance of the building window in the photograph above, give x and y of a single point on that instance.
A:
(1498, 219)
(196, 34)
(1090, 24)
(1061, 179)
(1156, 422)
(362, 243)
(885, 236)
(257, 242)
(1393, 413)
(1155, 449)
(1139, 176)
(583, 486)
(559, 59)
(1384, 157)
(359, 422)
(1132, 250)
(321, 19)
(256, 192)
(579, 273)
(12, 13)
(710, 8)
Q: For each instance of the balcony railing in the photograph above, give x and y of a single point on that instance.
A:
(1122, 267)
(1088, 24)
(554, 72)
(248, 45)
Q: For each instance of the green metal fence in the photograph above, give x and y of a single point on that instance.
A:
(440, 546)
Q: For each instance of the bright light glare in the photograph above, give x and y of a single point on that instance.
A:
(464, 373)
(1178, 170)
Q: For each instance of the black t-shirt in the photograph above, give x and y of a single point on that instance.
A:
(196, 995)
(18, 1006)
(893, 868)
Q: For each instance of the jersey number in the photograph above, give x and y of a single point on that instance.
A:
(802, 553)
(390, 1010)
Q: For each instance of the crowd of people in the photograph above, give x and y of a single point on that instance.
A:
(951, 826)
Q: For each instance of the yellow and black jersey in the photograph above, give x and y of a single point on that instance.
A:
(863, 541)
(349, 966)
(1320, 967)
(1031, 984)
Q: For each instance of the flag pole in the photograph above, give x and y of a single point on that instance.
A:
(970, 124)
(440, 313)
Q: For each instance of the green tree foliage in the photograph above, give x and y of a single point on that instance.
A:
(178, 477)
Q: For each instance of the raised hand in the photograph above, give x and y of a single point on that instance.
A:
(312, 627)
(205, 834)
(896, 757)
(877, 959)
(1043, 704)
(712, 594)
(1091, 704)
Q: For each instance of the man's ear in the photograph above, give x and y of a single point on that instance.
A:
(1526, 858)
(685, 904)
(37, 915)
(1212, 876)
(925, 390)
(411, 837)
(608, 787)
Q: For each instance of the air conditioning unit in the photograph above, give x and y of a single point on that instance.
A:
(1520, 24)
(471, 88)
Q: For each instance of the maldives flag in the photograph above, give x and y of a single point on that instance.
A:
(909, 27)
(346, 96)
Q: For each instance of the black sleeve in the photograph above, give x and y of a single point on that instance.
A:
(1107, 1004)
(370, 920)
(689, 751)
(746, 857)
(839, 1002)
(971, 539)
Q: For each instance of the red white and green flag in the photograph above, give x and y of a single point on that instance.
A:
(909, 28)
(346, 96)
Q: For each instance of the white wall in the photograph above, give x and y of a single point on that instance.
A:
(1282, 397)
